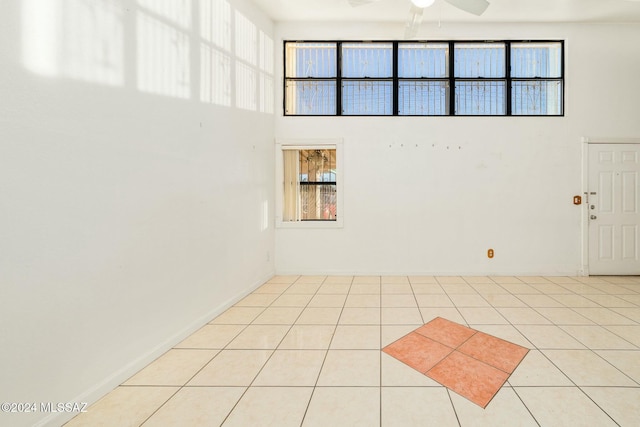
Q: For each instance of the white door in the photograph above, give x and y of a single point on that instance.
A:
(613, 209)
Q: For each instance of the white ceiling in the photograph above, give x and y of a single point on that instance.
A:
(498, 11)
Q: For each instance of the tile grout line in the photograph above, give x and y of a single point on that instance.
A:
(313, 391)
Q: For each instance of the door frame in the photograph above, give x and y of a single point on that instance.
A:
(586, 141)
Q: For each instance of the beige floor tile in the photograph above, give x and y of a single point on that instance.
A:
(597, 337)
(272, 288)
(458, 288)
(625, 360)
(505, 279)
(489, 289)
(620, 403)
(434, 300)
(586, 368)
(351, 368)
(631, 313)
(394, 280)
(308, 337)
(583, 289)
(574, 301)
(455, 280)
(303, 288)
(259, 337)
(535, 301)
(348, 337)
(343, 406)
(505, 332)
(549, 288)
(634, 299)
(364, 289)
(466, 300)
(549, 337)
(396, 288)
(430, 313)
(257, 300)
(536, 370)
(363, 300)
(334, 288)
(291, 368)
(505, 409)
(398, 300)
(124, 407)
(319, 316)
(411, 406)
(562, 407)
(520, 288)
(283, 279)
(278, 316)
(562, 280)
(401, 316)
(270, 406)
(395, 373)
(563, 316)
(192, 406)
(310, 280)
(419, 280)
(503, 300)
(328, 301)
(482, 315)
(629, 333)
(523, 316)
(175, 367)
(533, 280)
(479, 280)
(212, 336)
(292, 300)
(238, 316)
(604, 316)
(610, 301)
(428, 289)
(360, 316)
(338, 280)
(232, 368)
(366, 280)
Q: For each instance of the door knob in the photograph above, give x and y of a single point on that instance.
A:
(594, 217)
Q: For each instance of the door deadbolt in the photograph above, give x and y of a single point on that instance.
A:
(593, 206)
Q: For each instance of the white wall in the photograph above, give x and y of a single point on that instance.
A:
(135, 196)
(432, 194)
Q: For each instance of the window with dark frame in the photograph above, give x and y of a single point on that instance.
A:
(310, 184)
(434, 78)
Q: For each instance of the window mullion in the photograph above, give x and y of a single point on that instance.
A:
(339, 79)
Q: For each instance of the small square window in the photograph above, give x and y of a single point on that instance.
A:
(309, 184)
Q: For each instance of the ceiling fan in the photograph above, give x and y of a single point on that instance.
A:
(476, 7)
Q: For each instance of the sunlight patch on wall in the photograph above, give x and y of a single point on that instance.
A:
(246, 44)
(266, 74)
(77, 39)
(246, 87)
(215, 50)
(215, 76)
(178, 12)
(163, 58)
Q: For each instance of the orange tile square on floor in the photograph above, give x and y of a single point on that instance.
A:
(471, 363)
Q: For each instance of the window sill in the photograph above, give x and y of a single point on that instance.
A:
(310, 224)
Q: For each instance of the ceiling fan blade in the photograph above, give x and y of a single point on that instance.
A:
(413, 24)
(477, 7)
(355, 3)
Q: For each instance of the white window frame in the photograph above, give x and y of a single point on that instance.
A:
(309, 144)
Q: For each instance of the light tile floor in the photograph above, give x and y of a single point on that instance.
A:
(305, 351)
